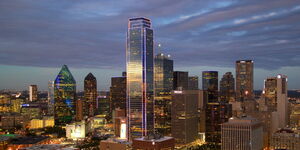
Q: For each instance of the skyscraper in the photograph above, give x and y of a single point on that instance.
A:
(139, 67)
(193, 83)
(227, 88)
(65, 97)
(244, 80)
(275, 90)
(210, 84)
(180, 80)
(50, 98)
(163, 80)
(118, 92)
(33, 93)
(242, 134)
(185, 115)
(90, 95)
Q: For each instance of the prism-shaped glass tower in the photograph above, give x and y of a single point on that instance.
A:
(64, 97)
(139, 67)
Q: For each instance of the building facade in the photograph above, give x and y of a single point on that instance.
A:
(90, 95)
(65, 97)
(180, 80)
(185, 116)
(118, 93)
(139, 67)
(210, 84)
(227, 90)
(193, 83)
(163, 81)
(33, 95)
(242, 134)
(244, 80)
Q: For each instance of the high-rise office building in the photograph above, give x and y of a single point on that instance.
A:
(210, 84)
(50, 98)
(215, 115)
(163, 81)
(275, 92)
(79, 109)
(139, 67)
(193, 83)
(118, 93)
(104, 105)
(185, 115)
(227, 91)
(244, 80)
(90, 95)
(180, 80)
(33, 95)
(242, 134)
(65, 97)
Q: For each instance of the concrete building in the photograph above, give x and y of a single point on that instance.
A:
(286, 139)
(162, 143)
(180, 80)
(185, 115)
(242, 134)
(193, 83)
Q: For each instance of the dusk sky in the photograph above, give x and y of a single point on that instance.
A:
(38, 36)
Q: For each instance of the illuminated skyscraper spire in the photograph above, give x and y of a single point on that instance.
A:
(64, 97)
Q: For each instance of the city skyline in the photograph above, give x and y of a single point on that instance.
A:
(96, 44)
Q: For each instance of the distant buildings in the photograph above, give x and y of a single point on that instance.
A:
(104, 105)
(244, 80)
(193, 83)
(210, 84)
(50, 97)
(139, 67)
(185, 116)
(227, 90)
(242, 134)
(163, 80)
(180, 80)
(80, 109)
(90, 95)
(33, 93)
(65, 97)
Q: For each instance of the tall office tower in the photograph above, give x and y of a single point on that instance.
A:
(193, 83)
(180, 80)
(33, 93)
(275, 90)
(163, 81)
(215, 115)
(51, 98)
(90, 95)
(79, 109)
(139, 67)
(118, 93)
(242, 134)
(64, 97)
(210, 84)
(244, 80)
(185, 115)
(104, 105)
(227, 88)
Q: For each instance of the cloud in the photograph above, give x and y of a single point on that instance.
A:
(92, 34)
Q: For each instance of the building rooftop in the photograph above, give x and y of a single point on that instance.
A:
(49, 147)
(242, 121)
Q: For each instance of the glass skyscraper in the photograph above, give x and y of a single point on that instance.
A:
(244, 80)
(90, 95)
(227, 93)
(65, 97)
(163, 81)
(139, 66)
(210, 84)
